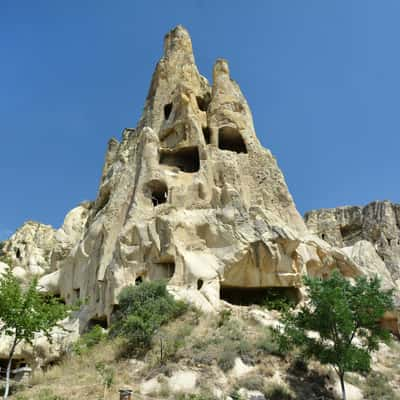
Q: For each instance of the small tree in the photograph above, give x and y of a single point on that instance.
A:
(24, 313)
(339, 312)
(142, 310)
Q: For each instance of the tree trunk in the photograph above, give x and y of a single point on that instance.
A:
(341, 376)
(8, 373)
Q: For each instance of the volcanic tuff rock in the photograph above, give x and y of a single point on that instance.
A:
(191, 196)
(370, 235)
(377, 223)
(35, 249)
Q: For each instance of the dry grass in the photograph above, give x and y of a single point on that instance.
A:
(76, 377)
(196, 342)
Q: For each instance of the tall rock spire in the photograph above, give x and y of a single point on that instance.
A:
(191, 196)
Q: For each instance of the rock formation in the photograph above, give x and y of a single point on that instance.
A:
(370, 235)
(190, 196)
(36, 249)
(378, 223)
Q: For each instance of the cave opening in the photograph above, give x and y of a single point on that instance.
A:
(230, 139)
(158, 192)
(167, 110)
(138, 280)
(186, 159)
(200, 284)
(203, 102)
(77, 293)
(246, 296)
(206, 134)
(100, 321)
(162, 270)
(350, 232)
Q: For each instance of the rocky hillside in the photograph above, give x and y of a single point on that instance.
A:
(191, 197)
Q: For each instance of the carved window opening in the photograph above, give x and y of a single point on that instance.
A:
(200, 284)
(100, 321)
(230, 139)
(77, 293)
(163, 270)
(159, 192)
(167, 110)
(138, 280)
(187, 159)
(207, 135)
(350, 232)
(246, 296)
(18, 253)
(203, 102)
(323, 236)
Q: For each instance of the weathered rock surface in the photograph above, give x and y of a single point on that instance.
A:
(36, 249)
(377, 223)
(370, 236)
(351, 227)
(191, 196)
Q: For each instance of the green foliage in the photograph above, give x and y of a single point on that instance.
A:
(95, 336)
(275, 300)
(339, 312)
(276, 391)
(224, 317)
(267, 344)
(143, 309)
(107, 374)
(226, 360)
(25, 313)
(226, 343)
(235, 395)
(48, 395)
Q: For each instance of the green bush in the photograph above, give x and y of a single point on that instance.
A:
(276, 300)
(142, 310)
(226, 360)
(267, 344)
(95, 336)
(276, 391)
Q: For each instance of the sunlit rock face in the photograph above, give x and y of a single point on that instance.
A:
(36, 249)
(370, 235)
(191, 196)
(377, 223)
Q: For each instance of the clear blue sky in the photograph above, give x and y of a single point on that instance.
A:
(322, 79)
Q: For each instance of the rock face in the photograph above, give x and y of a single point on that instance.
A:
(377, 223)
(36, 249)
(370, 235)
(191, 196)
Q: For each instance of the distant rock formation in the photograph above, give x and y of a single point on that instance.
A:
(370, 235)
(377, 223)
